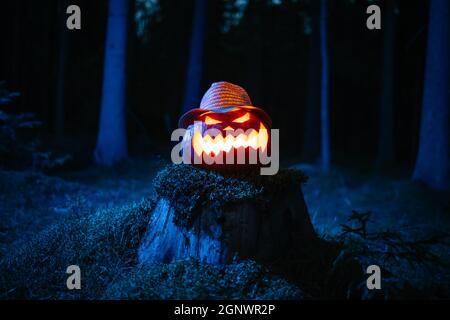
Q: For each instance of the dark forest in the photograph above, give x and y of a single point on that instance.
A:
(91, 92)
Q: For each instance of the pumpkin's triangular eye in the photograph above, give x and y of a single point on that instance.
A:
(242, 119)
(210, 121)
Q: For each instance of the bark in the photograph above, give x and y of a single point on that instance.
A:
(311, 138)
(244, 230)
(195, 64)
(386, 149)
(111, 142)
(61, 71)
(432, 164)
(324, 117)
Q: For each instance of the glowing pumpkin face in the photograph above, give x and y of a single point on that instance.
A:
(226, 126)
(227, 132)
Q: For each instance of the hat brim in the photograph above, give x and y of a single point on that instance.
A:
(188, 118)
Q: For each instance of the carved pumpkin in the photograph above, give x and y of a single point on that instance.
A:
(226, 123)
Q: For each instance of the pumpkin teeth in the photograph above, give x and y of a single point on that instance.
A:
(214, 145)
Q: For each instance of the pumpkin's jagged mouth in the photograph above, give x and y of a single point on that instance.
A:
(214, 145)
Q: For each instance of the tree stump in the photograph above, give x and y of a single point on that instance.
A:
(216, 217)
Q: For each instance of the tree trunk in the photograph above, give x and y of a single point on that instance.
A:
(255, 52)
(324, 117)
(386, 149)
(195, 64)
(311, 137)
(58, 121)
(111, 141)
(432, 164)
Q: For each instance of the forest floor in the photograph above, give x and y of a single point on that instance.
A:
(32, 202)
(394, 203)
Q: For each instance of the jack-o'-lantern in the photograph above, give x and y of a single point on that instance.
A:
(225, 124)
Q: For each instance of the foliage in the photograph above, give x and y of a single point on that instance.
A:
(392, 245)
(189, 188)
(11, 123)
(144, 12)
(191, 279)
(18, 149)
(49, 160)
(362, 219)
(6, 96)
(233, 14)
(103, 244)
(403, 259)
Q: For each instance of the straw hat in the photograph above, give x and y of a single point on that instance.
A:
(223, 97)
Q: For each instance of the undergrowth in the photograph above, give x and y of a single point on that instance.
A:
(191, 279)
(104, 244)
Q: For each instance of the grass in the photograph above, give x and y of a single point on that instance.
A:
(103, 244)
(395, 203)
(31, 201)
(190, 279)
(94, 219)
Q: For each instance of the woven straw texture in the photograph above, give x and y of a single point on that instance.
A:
(224, 94)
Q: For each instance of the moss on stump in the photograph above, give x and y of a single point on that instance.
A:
(190, 189)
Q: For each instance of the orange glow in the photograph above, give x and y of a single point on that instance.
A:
(242, 119)
(214, 145)
(263, 137)
(210, 121)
